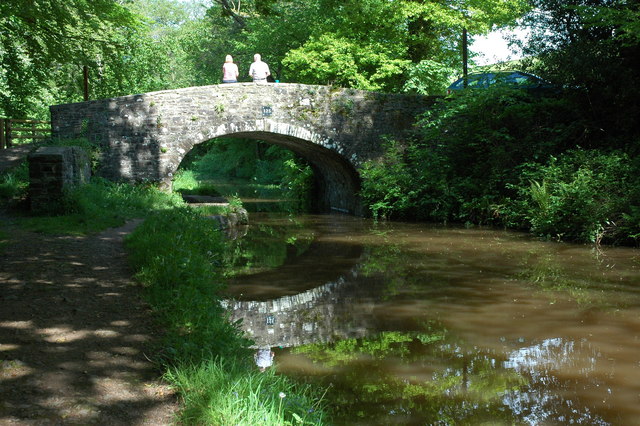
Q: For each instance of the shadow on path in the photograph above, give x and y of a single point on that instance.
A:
(13, 156)
(73, 334)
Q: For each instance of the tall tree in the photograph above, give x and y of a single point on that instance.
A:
(371, 44)
(40, 36)
(593, 46)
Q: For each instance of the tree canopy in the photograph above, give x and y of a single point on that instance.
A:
(133, 46)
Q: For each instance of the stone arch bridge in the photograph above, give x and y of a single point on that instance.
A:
(146, 136)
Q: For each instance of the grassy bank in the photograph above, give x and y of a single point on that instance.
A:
(179, 258)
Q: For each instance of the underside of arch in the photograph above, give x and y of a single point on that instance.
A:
(337, 183)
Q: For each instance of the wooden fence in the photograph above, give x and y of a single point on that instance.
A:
(14, 132)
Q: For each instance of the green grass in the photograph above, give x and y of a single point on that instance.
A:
(99, 205)
(186, 182)
(14, 183)
(219, 393)
(179, 257)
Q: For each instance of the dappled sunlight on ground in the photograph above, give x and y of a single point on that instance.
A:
(75, 339)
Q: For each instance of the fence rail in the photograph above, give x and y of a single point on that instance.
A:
(14, 131)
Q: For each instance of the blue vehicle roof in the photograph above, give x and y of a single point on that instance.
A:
(514, 78)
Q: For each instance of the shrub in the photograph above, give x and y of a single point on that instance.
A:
(465, 154)
(581, 195)
(387, 184)
(297, 181)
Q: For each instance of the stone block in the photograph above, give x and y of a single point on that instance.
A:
(52, 171)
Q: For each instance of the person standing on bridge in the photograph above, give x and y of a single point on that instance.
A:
(259, 70)
(230, 71)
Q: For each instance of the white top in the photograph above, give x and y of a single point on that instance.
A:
(259, 70)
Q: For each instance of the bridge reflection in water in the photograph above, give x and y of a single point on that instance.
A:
(322, 314)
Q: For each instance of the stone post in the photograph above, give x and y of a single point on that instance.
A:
(52, 172)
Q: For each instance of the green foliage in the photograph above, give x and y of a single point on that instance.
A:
(332, 59)
(297, 182)
(482, 156)
(592, 45)
(185, 182)
(37, 36)
(465, 154)
(428, 77)
(239, 158)
(246, 168)
(224, 393)
(14, 184)
(102, 204)
(128, 47)
(386, 184)
(364, 44)
(583, 195)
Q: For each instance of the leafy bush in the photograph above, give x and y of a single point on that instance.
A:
(240, 158)
(428, 77)
(582, 195)
(297, 181)
(465, 154)
(387, 184)
(507, 157)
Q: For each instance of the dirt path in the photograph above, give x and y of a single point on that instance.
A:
(74, 334)
(12, 157)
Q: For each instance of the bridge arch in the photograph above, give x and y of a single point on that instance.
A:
(336, 180)
(146, 136)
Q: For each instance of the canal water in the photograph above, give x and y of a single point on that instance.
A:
(408, 323)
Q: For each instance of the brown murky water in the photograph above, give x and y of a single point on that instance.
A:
(415, 324)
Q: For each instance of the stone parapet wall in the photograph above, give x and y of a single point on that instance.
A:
(54, 170)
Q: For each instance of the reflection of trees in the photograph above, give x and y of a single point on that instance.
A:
(541, 362)
(403, 376)
(266, 247)
(590, 282)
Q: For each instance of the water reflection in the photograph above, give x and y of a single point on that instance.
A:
(540, 363)
(415, 324)
(322, 314)
(264, 358)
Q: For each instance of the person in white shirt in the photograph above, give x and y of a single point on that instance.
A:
(259, 70)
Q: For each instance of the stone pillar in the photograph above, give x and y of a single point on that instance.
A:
(52, 172)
